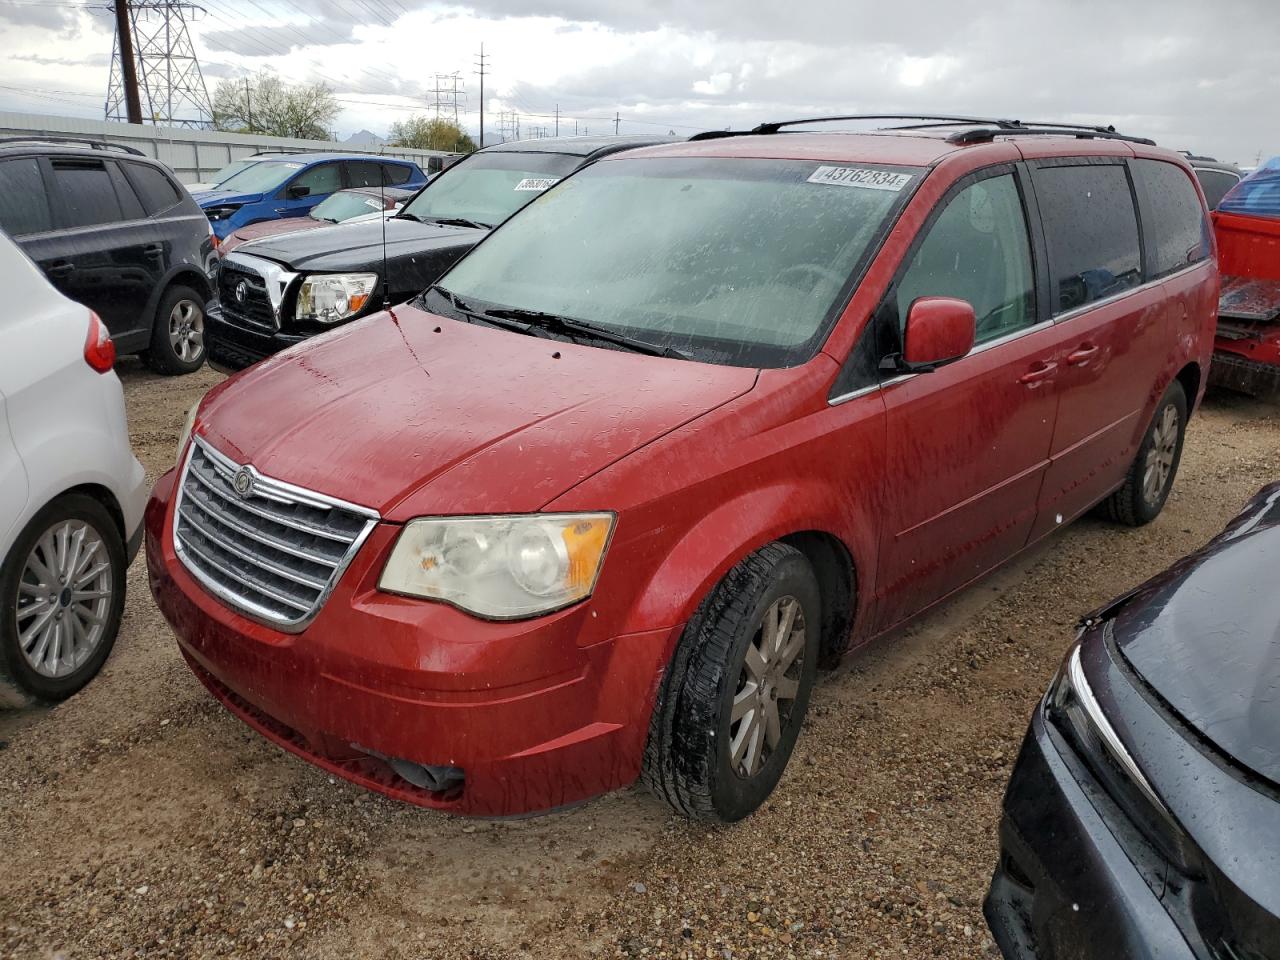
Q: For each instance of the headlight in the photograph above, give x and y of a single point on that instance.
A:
(502, 568)
(188, 425)
(222, 212)
(330, 297)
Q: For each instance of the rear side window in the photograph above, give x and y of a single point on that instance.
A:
(24, 206)
(1176, 225)
(1215, 184)
(398, 173)
(130, 207)
(978, 250)
(154, 187)
(88, 197)
(1091, 228)
(364, 173)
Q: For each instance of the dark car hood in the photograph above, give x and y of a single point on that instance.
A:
(354, 245)
(1206, 637)
(215, 198)
(411, 413)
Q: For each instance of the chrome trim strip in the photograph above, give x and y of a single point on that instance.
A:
(265, 539)
(246, 605)
(275, 277)
(234, 548)
(232, 575)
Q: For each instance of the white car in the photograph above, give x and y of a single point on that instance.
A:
(71, 491)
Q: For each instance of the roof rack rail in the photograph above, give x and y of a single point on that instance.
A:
(937, 120)
(985, 134)
(987, 128)
(82, 141)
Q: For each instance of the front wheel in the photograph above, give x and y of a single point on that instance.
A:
(735, 695)
(177, 336)
(1146, 487)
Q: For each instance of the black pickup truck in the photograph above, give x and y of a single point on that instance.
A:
(280, 290)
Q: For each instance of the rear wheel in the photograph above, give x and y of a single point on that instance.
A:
(61, 598)
(736, 692)
(177, 335)
(1146, 487)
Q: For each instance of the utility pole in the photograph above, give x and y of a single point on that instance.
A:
(617, 121)
(557, 119)
(248, 104)
(124, 37)
(481, 65)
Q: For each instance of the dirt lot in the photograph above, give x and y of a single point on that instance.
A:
(142, 820)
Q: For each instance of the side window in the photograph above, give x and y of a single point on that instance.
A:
(978, 250)
(1091, 228)
(1174, 222)
(130, 207)
(154, 187)
(24, 207)
(1215, 184)
(397, 173)
(323, 178)
(88, 197)
(364, 173)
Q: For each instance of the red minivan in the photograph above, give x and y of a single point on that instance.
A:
(597, 504)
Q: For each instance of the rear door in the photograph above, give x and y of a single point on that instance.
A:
(1111, 324)
(967, 444)
(320, 179)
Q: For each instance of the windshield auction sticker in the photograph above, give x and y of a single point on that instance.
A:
(859, 177)
(537, 183)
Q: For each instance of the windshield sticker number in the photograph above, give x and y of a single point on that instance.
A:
(859, 177)
(537, 183)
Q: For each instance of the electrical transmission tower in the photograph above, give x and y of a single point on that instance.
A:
(448, 97)
(509, 125)
(170, 86)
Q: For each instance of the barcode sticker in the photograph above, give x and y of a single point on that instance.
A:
(537, 183)
(861, 177)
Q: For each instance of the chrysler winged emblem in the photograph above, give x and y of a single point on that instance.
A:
(243, 482)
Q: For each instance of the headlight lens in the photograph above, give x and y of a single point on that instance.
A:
(223, 212)
(330, 297)
(502, 568)
(188, 425)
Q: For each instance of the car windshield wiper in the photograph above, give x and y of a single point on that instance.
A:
(571, 327)
(471, 315)
(460, 222)
(404, 215)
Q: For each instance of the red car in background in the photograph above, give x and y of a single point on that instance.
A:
(596, 504)
(1247, 350)
(350, 204)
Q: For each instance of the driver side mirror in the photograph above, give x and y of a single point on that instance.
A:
(298, 191)
(940, 330)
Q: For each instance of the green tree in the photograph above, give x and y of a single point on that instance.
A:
(265, 104)
(423, 133)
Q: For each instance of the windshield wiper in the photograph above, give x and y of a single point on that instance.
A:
(570, 327)
(471, 315)
(460, 222)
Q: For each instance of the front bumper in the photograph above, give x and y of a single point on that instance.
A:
(534, 720)
(232, 347)
(1064, 886)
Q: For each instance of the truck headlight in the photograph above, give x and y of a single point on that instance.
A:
(330, 297)
(224, 212)
(500, 568)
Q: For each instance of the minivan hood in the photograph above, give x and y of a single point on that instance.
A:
(215, 198)
(1206, 637)
(391, 414)
(356, 245)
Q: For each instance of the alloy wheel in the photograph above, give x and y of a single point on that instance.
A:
(1160, 458)
(64, 598)
(186, 330)
(767, 686)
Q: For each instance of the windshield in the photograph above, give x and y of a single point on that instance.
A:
(344, 206)
(1257, 195)
(262, 177)
(739, 262)
(489, 187)
(230, 170)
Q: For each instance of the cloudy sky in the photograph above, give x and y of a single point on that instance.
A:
(1195, 75)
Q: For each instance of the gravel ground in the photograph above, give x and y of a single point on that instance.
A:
(141, 820)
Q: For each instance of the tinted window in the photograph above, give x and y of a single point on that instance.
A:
(88, 197)
(1092, 231)
(157, 191)
(24, 208)
(1176, 225)
(130, 207)
(1215, 184)
(322, 178)
(398, 173)
(364, 173)
(978, 250)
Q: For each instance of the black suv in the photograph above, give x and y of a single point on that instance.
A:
(1216, 178)
(112, 229)
(288, 288)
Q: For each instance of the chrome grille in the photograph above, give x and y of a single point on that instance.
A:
(253, 309)
(271, 550)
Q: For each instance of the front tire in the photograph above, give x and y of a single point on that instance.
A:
(735, 695)
(1146, 487)
(177, 335)
(61, 598)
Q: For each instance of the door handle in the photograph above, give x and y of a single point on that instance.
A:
(1082, 354)
(60, 269)
(1040, 371)
(153, 249)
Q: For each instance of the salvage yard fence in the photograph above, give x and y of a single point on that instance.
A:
(194, 154)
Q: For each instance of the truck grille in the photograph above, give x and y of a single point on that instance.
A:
(267, 548)
(249, 305)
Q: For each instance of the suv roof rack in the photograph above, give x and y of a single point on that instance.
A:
(74, 141)
(985, 128)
